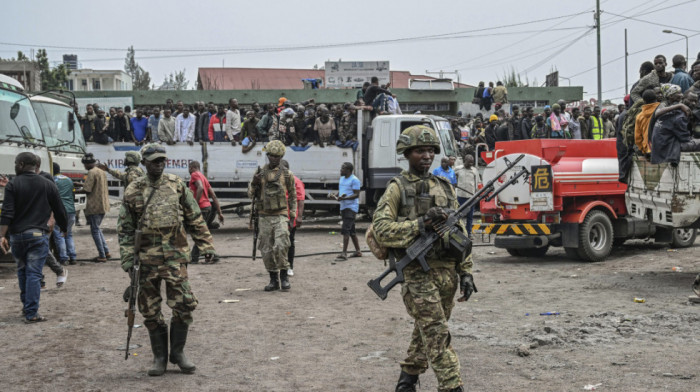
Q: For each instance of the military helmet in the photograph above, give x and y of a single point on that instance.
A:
(132, 158)
(275, 147)
(417, 136)
(153, 151)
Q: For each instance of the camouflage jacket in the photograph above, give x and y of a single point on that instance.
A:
(275, 197)
(128, 176)
(170, 215)
(348, 128)
(394, 231)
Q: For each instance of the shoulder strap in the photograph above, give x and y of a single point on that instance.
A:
(143, 213)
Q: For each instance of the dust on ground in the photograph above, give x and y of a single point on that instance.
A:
(330, 332)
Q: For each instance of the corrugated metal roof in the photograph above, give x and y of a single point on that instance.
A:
(279, 78)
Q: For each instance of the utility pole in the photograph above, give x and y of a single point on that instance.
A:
(626, 54)
(600, 77)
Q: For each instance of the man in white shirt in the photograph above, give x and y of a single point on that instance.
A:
(468, 180)
(184, 127)
(393, 105)
(233, 121)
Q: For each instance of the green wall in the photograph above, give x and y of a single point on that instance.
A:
(246, 97)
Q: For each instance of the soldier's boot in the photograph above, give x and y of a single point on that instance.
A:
(458, 389)
(159, 346)
(178, 338)
(274, 282)
(407, 382)
(284, 278)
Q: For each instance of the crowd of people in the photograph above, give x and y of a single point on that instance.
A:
(660, 114)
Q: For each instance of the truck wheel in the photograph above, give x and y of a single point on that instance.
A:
(595, 237)
(513, 252)
(534, 252)
(572, 253)
(683, 238)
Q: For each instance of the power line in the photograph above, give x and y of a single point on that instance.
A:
(654, 23)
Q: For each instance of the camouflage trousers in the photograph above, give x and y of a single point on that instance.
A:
(273, 241)
(177, 290)
(429, 299)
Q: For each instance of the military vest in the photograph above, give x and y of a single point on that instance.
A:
(273, 191)
(164, 211)
(417, 197)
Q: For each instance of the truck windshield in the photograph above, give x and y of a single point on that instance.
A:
(53, 119)
(445, 131)
(25, 125)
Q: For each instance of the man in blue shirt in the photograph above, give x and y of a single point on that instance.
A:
(445, 171)
(139, 124)
(348, 196)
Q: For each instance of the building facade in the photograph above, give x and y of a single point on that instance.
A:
(26, 72)
(99, 80)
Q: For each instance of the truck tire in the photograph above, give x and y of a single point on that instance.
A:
(513, 252)
(534, 252)
(595, 238)
(683, 238)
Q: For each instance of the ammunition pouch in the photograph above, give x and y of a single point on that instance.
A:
(456, 245)
(379, 251)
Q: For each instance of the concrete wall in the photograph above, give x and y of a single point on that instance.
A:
(405, 96)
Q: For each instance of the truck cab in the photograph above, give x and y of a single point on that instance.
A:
(64, 141)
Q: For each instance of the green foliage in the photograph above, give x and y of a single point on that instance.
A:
(51, 79)
(140, 79)
(512, 79)
(176, 81)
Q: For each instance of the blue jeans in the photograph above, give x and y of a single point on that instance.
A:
(470, 215)
(30, 249)
(65, 245)
(347, 144)
(94, 221)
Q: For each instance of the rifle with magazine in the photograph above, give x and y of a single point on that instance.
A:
(253, 223)
(135, 275)
(462, 244)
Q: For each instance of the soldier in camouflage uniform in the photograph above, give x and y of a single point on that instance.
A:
(132, 171)
(347, 131)
(275, 195)
(164, 253)
(412, 203)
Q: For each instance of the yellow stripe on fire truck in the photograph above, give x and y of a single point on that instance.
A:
(512, 229)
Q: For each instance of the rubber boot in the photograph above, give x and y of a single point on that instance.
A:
(178, 338)
(285, 280)
(159, 345)
(407, 382)
(274, 282)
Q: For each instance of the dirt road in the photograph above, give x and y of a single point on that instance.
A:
(330, 332)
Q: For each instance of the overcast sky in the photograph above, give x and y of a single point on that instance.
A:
(480, 39)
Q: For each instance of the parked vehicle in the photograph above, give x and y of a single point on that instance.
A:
(229, 169)
(573, 199)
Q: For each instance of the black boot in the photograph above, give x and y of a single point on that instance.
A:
(178, 338)
(407, 382)
(458, 389)
(274, 282)
(159, 345)
(285, 280)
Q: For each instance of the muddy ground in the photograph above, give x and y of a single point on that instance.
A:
(330, 332)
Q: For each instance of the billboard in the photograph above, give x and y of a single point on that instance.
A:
(353, 74)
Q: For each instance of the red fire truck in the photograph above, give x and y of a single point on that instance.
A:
(573, 199)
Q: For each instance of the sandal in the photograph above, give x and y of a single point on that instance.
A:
(61, 279)
(356, 254)
(341, 257)
(35, 319)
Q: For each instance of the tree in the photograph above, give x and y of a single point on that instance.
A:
(513, 79)
(21, 56)
(176, 81)
(140, 79)
(50, 78)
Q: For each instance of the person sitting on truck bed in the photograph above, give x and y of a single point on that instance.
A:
(324, 127)
(671, 133)
(347, 132)
(643, 121)
(267, 123)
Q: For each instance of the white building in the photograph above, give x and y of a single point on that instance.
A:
(99, 80)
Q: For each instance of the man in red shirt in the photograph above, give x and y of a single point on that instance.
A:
(301, 195)
(200, 187)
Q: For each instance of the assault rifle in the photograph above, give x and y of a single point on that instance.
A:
(253, 223)
(420, 247)
(135, 276)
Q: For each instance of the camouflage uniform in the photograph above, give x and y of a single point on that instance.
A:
(273, 207)
(428, 296)
(164, 251)
(348, 127)
(132, 171)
